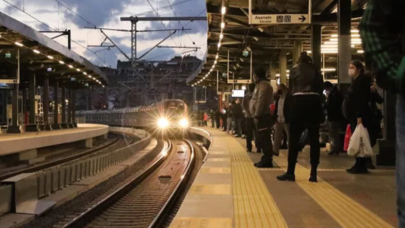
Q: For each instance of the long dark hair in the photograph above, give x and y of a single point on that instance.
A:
(359, 65)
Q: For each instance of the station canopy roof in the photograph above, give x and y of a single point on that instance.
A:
(41, 55)
(265, 41)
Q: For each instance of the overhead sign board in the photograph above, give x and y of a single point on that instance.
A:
(8, 75)
(243, 77)
(270, 18)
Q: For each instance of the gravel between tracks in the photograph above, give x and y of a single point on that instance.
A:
(79, 204)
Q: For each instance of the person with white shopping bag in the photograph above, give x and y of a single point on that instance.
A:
(360, 145)
(357, 110)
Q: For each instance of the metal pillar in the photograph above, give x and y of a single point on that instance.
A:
(73, 101)
(344, 43)
(63, 101)
(133, 43)
(69, 108)
(316, 39)
(45, 100)
(32, 94)
(24, 101)
(283, 66)
(386, 146)
(14, 128)
(32, 126)
(56, 124)
(297, 51)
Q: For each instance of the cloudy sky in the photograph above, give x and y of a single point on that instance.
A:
(77, 14)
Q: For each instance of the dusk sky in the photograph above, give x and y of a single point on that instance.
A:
(107, 13)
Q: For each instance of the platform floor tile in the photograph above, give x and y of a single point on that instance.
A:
(344, 210)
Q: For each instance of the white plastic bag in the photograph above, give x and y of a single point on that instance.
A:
(360, 145)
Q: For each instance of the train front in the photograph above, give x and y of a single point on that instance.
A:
(173, 120)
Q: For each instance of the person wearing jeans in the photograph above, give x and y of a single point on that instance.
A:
(382, 30)
(250, 125)
(281, 116)
(260, 109)
(306, 84)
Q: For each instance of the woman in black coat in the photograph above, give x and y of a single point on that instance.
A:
(357, 107)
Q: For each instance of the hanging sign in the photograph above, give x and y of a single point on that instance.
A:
(270, 18)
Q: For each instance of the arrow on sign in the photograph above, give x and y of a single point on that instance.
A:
(302, 18)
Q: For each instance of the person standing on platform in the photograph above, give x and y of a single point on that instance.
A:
(382, 30)
(259, 107)
(218, 118)
(238, 115)
(357, 108)
(250, 125)
(306, 85)
(281, 116)
(333, 108)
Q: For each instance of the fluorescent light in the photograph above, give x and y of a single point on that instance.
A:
(18, 44)
(222, 24)
(84, 73)
(277, 75)
(61, 62)
(219, 45)
(36, 51)
(354, 31)
(216, 57)
(360, 51)
(78, 69)
(223, 10)
(334, 39)
(70, 66)
(221, 36)
(215, 62)
(328, 69)
(50, 57)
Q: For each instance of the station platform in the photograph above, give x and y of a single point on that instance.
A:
(230, 192)
(28, 141)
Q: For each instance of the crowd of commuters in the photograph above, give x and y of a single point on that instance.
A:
(254, 117)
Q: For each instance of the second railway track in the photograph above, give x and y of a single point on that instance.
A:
(143, 199)
(121, 140)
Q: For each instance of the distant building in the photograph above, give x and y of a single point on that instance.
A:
(148, 82)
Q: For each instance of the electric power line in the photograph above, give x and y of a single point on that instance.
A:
(50, 27)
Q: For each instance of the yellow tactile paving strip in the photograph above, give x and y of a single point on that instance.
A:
(253, 205)
(202, 223)
(345, 211)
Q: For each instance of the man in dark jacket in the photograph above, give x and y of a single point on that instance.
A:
(238, 115)
(281, 116)
(260, 108)
(381, 27)
(333, 107)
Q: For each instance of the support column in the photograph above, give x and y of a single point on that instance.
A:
(14, 128)
(63, 102)
(69, 108)
(297, 51)
(283, 66)
(32, 126)
(45, 100)
(89, 100)
(386, 146)
(56, 124)
(24, 105)
(316, 39)
(74, 108)
(344, 44)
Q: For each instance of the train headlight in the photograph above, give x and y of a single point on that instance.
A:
(184, 123)
(163, 122)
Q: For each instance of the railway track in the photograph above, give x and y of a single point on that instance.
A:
(121, 140)
(144, 199)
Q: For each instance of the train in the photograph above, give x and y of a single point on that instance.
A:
(170, 116)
